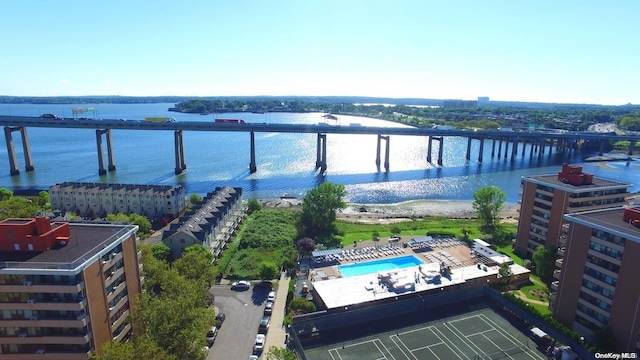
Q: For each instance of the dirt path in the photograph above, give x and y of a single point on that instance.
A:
(522, 296)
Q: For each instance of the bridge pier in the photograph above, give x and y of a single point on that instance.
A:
(468, 155)
(252, 163)
(506, 148)
(601, 151)
(440, 139)
(499, 148)
(111, 166)
(11, 152)
(178, 148)
(321, 154)
(632, 145)
(514, 149)
(481, 150)
(493, 148)
(386, 152)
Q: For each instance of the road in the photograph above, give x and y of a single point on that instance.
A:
(243, 310)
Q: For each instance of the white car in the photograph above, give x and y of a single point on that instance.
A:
(259, 345)
(272, 296)
(241, 285)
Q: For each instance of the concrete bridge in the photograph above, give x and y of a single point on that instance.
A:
(538, 141)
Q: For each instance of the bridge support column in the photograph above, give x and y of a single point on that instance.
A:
(506, 148)
(386, 152)
(632, 145)
(468, 156)
(429, 149)
(514, 149)
(321, 155)
(178, 148)
(500, 149)
(252, 163)
(441, 150)
(493, 148)
(11, 151)
(533, 145)
(111, 166)
(524, 147)
(601, 151)
(481, 150)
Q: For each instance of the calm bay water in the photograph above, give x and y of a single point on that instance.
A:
(285, 161)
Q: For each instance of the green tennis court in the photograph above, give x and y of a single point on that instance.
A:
(474, 335)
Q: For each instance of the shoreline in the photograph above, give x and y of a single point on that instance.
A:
(402, 211)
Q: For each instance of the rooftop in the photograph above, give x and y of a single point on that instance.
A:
(86, 242)
(609, 220)
(597, 184)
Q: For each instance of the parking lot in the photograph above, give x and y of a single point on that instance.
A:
(243, 310)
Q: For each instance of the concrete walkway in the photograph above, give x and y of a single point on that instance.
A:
(277, 334)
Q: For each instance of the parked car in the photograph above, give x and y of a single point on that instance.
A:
(241, 285)
(253, 357)
(264, 324)
(211, 335)
(272, 296)
(259, 344)
(268, 308)
(220, 319)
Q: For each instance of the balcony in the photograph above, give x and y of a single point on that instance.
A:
(34, 321)
(559, 263)
(44, 355)
(556, 274)
(561, 251)
(123, 333)
(554, 285)
(57, 305)
(552, 297)
(28, 286)
(48, 339)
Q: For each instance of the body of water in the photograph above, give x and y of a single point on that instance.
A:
(372, 267)
(285, 162)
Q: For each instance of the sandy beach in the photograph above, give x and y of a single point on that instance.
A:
(389, 213)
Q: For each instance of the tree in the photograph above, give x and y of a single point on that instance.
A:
(488, 201)
(195, 265)
(252, 206)
(5, 194)
(319, 208)
(141, 347)
(268, 270)
(395, 230)
(305, 246)
(504, 273)
(161, 252)
(17, 207)
(143, 223)
(194, 199)
(43, 198)
(278, 353)
(301, 305)
(544, 258)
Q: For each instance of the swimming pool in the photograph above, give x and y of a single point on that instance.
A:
(375, 266)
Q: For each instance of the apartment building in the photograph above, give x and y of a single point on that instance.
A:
(98, 200)
(209, 223)
(597, 285)
(65, 289)
(546, 198)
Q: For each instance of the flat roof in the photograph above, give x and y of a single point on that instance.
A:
(347, 291)
(597, 183)
(87, 241)
(609, 220)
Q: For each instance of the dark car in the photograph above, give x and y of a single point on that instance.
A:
(264, 324)
(220, 319)
(241, 285)
(51, 116)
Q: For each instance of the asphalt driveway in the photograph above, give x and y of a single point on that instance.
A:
(243, 310)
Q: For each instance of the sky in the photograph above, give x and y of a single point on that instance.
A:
(571, 51)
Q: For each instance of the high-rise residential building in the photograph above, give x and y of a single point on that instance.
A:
(99, 200)
(65, 288)
(597, 285)
(546, 198)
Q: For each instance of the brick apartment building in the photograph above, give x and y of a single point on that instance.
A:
(65, 289)
(546, 198)
(597, 285)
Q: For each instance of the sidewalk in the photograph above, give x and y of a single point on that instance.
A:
(277, 334)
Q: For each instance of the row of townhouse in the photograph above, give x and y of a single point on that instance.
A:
(209, 223)
(98, 199)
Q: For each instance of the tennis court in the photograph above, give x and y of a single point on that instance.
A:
(480, 334)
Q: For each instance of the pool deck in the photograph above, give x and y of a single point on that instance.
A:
(337, 291)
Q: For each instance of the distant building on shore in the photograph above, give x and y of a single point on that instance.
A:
(597, 285)
(65, 289)
(93, 200)
(450, 104)
(209, 223)
(547, 198)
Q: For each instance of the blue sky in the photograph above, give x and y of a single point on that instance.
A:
(550, 51)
